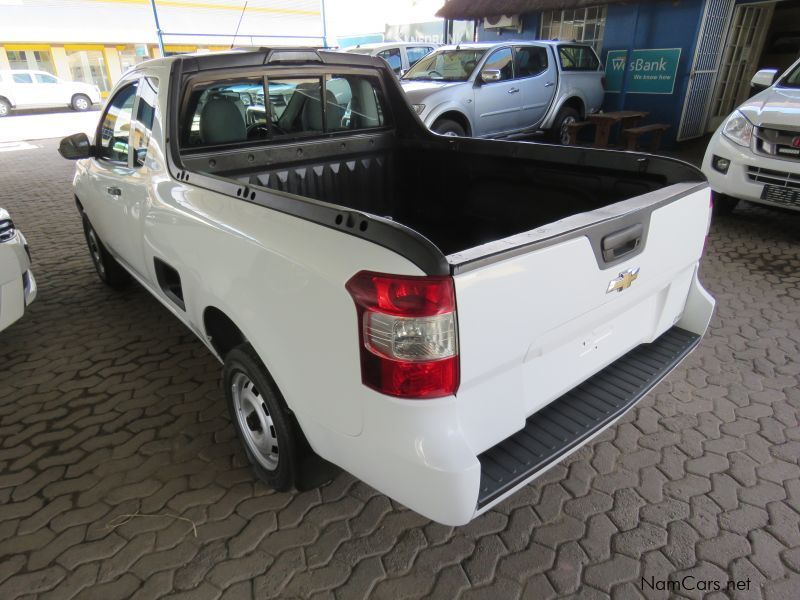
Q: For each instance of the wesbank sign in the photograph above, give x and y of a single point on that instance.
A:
(649, 71)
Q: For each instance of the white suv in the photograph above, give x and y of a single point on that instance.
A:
(401, 56)
(38, 89)
(755, 154)
(17, 284)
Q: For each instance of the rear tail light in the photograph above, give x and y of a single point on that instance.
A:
(407, 334)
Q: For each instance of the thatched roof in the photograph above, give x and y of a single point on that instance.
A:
(478, 9)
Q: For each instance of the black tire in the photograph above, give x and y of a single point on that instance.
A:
(448, 127)
(108, 269)
(722, 204)
(271, 440)
(5, 108)
(558, 132)
(81, 102)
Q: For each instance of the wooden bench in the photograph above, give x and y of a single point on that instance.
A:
(632, 135)
(574, 128)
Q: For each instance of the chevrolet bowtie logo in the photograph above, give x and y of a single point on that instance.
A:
(624, 281)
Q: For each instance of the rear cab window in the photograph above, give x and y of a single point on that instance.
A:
(577, 58)
(240, 112)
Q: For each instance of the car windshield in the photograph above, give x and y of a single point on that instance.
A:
(446, 65)
(792, 80)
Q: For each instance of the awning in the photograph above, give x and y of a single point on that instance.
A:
(462, 10)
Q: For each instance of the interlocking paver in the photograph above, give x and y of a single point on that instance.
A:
(108, 406)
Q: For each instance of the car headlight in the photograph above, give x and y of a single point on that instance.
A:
(738, 129)
(418, 108)
(7, 230)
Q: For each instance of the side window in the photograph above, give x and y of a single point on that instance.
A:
(531, 60)
(577, 58)
(501, 60)
(392, 56)
(417, 53)
(353, 102)
(225, 112)
(115, 128)
(44, 78)
(145, 115)
(22, 78)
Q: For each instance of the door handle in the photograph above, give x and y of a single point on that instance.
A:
(114, 191)
(618, 244)
(513, 90)
(549, 84)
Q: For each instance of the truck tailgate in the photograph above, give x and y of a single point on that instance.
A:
(537, 320)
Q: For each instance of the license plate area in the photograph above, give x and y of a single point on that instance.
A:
(781, 195)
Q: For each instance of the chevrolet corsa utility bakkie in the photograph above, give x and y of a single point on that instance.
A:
(383, 297)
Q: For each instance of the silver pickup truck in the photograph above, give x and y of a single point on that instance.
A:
(496, 90)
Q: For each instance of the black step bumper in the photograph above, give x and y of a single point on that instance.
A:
(574, 417)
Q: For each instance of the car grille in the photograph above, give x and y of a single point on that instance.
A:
(771, 177)
(778, 143)
(6, 230)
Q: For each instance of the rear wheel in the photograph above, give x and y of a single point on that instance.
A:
(722, 204)
(108, 269)
(449, 128)
(265, 427)
(81, 102)
(5, 107)
(559, 132)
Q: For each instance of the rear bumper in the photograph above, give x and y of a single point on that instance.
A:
(416, 452)
(17, 284)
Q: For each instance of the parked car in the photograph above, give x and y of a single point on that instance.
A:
(492, 90)
(401, 56)
(38, 89)
(445, 319)
(17, 283)
(755, 153)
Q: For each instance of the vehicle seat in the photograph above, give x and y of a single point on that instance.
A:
(311, 116)
(221, 122)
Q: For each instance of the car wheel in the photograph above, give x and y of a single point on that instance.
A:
(265, 427)
(5, 107)
(722, 204)
(81, 102)
(108, 269)
(559, 132)
(448, 128)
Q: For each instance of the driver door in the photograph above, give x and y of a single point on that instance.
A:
(111, 174)
(498, 103)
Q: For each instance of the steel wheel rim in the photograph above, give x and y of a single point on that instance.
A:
(81, 103)
(565, 129)
(255, 422)
(94, 250)
(450, 134)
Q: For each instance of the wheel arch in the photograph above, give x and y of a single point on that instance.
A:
(454, 115)
(221, 331)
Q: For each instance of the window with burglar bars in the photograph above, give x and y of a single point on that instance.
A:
(575, 24)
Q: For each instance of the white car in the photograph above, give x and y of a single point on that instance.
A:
(401, 56)
(17, 284)
(755, 153)
(445, 319)
(38, 89)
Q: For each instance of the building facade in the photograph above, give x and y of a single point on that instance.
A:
(687, 63)
(96, 41)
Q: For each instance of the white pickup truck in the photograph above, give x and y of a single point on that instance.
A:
(445, 318)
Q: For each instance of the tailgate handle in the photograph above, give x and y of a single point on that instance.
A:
(618, 244)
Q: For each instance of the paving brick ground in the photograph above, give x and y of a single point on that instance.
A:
(108, 407)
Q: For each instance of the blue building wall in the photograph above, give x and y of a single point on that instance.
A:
(645, 25)
(654, 25)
